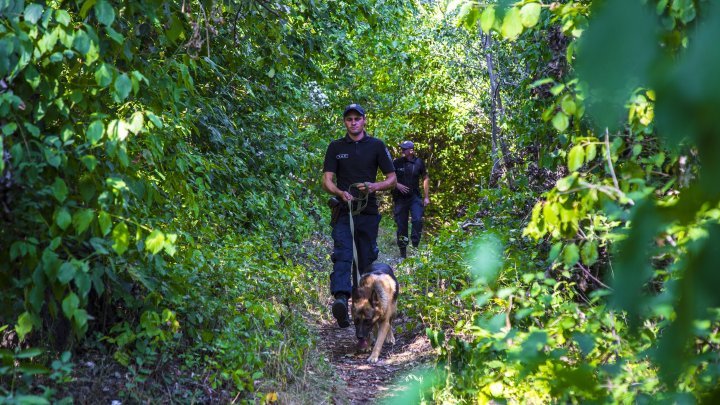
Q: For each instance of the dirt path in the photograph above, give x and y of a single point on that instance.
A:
(366, 383)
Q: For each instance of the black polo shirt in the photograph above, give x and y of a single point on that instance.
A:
(409, 172)
(358, 162)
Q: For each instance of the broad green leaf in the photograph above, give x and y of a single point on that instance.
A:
(80, 318)
(24, 325)
(66, 272)
(81, 42)
(154, 119)
(117, 130)
(155, 241)
(568, 105)
(95, 132)
(105, 222)
(33, 12)
(123, 85)
(487, 19)
(103, 75)
(565, 183)
(70, 304)
(89, 161)
(512, 25)
(590, 152)
(9, 128)
(104, 12)
(560, 121)
(82, 219)
(29, 353)
(136, 122)
(121, 238)
(571, 255)
(63, 218)
(62, 17)
(114, 35)
(576, 157)
(615, 55)
(589, 253)
(530, 14)
(59, 189)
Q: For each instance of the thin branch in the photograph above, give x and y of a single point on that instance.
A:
(609, 159)
(589, 274)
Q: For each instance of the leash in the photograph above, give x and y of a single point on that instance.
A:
(363, 201)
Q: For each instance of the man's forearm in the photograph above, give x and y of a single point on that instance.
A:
(388, 183)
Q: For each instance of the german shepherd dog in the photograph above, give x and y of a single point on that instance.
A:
(374, 304)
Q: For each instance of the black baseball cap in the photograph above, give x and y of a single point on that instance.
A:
(407, 145)
(354, 107)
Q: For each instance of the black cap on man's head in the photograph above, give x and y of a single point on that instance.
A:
(407, 145)
(354, 107)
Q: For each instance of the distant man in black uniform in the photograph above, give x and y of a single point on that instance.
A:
(352, 159)
(406, 196)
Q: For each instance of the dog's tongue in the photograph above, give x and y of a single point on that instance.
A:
(362, 345)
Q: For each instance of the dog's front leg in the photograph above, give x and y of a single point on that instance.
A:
(384, 328)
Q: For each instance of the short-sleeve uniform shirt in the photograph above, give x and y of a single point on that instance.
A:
(409, 172)
(358, 162)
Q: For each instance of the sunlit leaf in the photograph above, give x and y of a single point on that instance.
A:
(530, 14)
(121, 238)
(512, 24)
(576, 157)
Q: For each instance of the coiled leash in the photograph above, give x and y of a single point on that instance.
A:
(362, 203)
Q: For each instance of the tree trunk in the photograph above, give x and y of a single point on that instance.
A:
(496, 113)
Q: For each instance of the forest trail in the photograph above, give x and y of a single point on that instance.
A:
(362, 382)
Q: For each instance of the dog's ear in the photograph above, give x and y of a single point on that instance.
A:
(374, 298)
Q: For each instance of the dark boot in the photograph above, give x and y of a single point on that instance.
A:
(340, 311)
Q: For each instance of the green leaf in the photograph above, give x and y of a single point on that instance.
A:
(114, 35)
(104, 12)
(512, 25)
(81, 42)
(560, 121)
(89, 161)
(571, 255)
(9, 128)
(95, 132)
(565, 183)
(568, 105)
(63, 218)
(33, 12)
(24, 325)
(576, 157)
(29, 353)
(590, 152)
(487, 19)
(530, 14)
(136, 122)
(70, 304)
(123, 85)
(66, 272)
(82, 220)
(105, 222)
(59, 189)
(589, 253)
(121, 238)
(615, 55)
(154, 119)
(103, 75)
(62, 17)
(155, 241)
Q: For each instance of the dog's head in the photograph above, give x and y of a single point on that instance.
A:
(365, 310)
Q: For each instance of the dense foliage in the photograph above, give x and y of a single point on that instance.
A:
(159, 197)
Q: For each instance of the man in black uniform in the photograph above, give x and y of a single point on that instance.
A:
(406, 196)
(354, 161)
